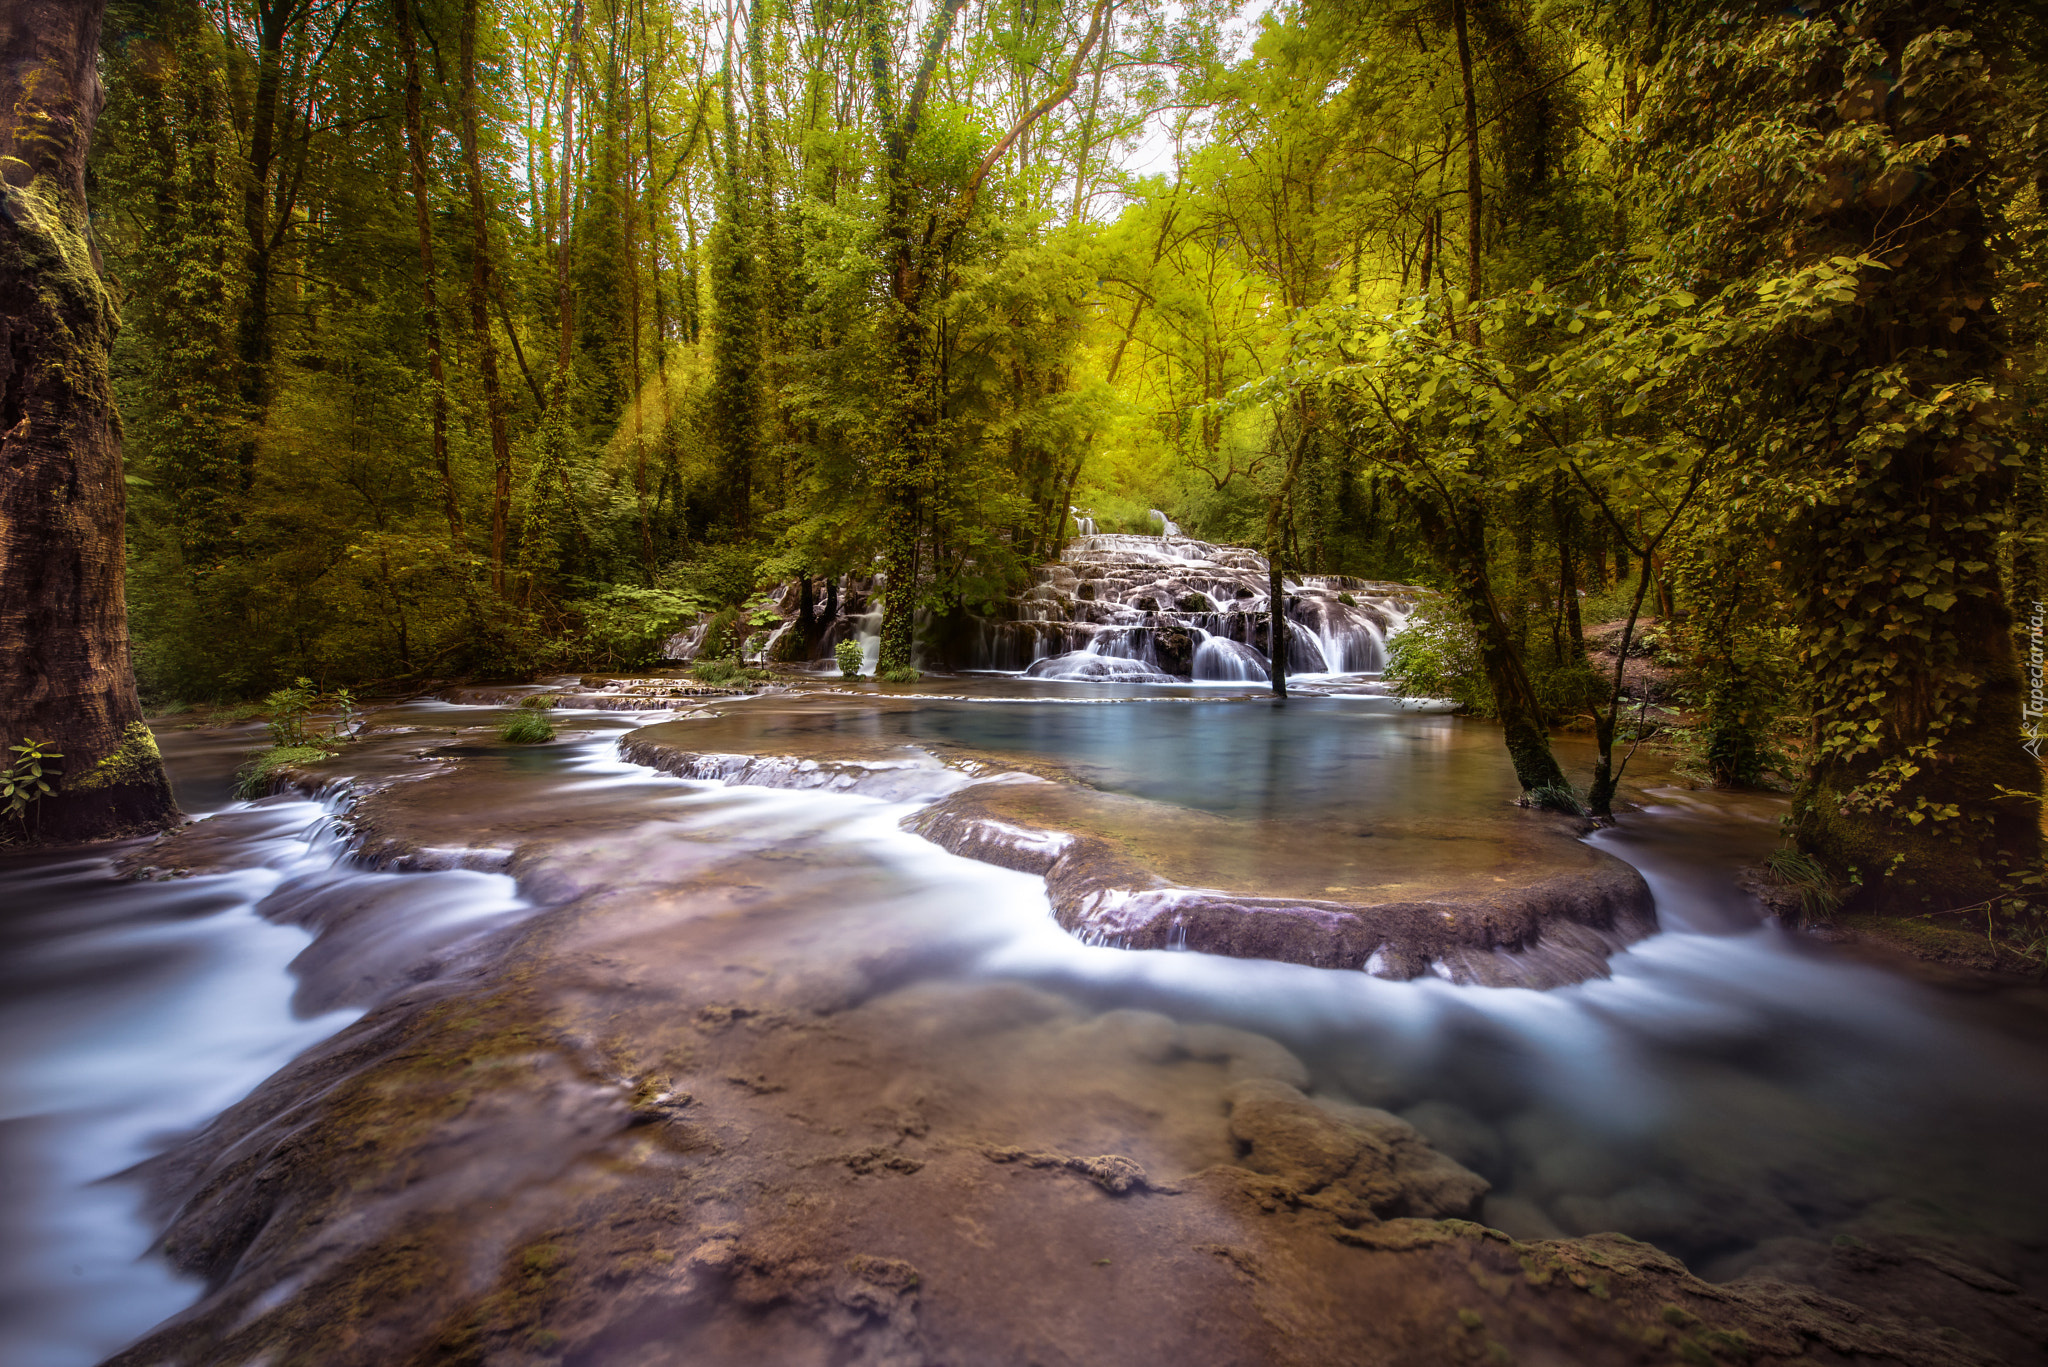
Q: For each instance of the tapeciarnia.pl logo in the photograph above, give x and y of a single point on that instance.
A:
(2036, 705)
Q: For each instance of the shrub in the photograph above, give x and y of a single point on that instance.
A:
(1436, 655)
(898, 674)
(625, 627)
(719, 672)
(723, 636)
(527, 726)
(288, 708)
(848, 653)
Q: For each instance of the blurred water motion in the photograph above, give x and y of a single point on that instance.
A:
(1729, 1088)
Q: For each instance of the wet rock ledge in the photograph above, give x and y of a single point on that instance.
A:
(1508, 899)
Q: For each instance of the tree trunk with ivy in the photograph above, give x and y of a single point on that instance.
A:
(1867, 135)
(65, 676)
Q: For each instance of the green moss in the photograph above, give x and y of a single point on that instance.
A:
(135, 760)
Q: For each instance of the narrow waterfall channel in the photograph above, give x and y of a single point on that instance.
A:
(1733, 1093)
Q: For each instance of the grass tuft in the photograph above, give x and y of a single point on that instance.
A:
(527, 727)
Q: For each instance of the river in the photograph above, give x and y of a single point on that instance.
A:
(1736, 1094)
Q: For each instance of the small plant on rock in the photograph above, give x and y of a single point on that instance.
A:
(288, 708)
(847, 653)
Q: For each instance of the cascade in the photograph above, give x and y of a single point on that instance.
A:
(1125, 608)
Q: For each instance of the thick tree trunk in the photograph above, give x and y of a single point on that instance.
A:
(65, 676)
(479, 315)
(430, 304)
(1457, 538)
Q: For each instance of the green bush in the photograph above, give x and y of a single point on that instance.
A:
(720, 672)
(527, 726)
(288, 708)
(848, 653)
(898, 674)
(723, 636)
(625, 627)
(1436, 655)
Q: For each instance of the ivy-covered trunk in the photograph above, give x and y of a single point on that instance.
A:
(65, 676)
(1851, 148)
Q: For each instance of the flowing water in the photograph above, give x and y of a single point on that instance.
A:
(1734, 1093)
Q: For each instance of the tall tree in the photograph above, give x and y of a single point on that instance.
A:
(480, 277)
(65, 675)
(430, 303)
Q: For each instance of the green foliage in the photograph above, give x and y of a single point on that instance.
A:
(724, 672)
(720, 577)
(1818, 897)
(624, 627)
(898, 674)
(287, 708)
(848, 654)
(26, 779)
(527, 726)
(540, 702)
(255, 778)
(724, 635)
(1436, 655)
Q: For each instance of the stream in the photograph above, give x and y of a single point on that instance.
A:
(1734, 1093)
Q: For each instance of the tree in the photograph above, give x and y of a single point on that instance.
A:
(1855, 144)
(65, 676)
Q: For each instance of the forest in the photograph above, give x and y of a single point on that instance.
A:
(480, 339)
(995, 681)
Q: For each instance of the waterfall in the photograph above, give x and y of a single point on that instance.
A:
(1083, 524)
(867, 630)
(1167, 526)
(1220, 659)
(1121, 606)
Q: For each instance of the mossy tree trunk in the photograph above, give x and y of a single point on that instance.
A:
(65, 676)
(1891, 409)
(1455, 530)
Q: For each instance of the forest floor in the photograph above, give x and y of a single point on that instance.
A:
(706, 1106)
